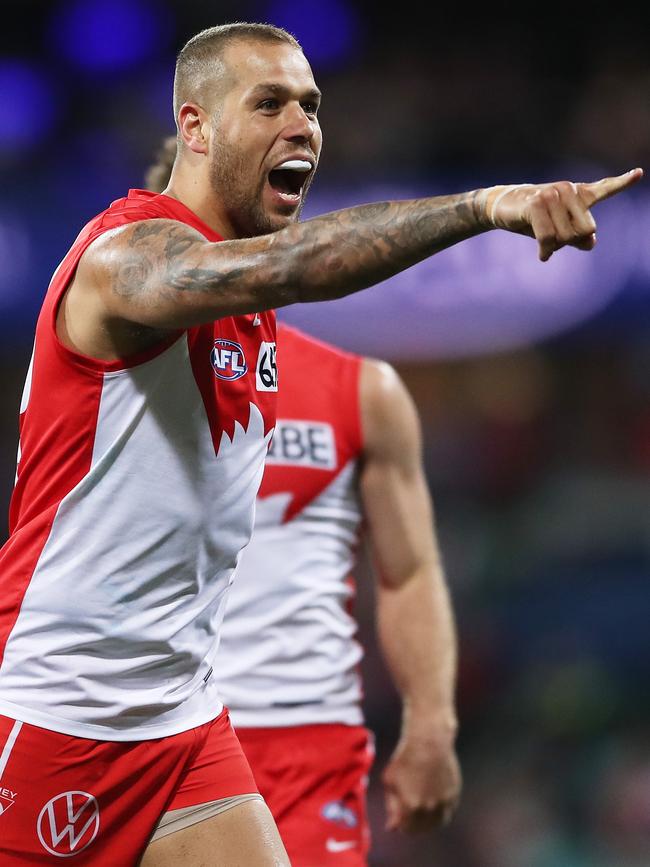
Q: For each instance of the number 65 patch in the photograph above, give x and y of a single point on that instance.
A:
(266, 373)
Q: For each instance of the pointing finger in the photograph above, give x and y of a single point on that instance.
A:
(597, 191)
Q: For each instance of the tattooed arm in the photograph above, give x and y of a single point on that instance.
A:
(164, 275)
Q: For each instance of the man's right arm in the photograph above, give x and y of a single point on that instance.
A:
(416, 627)
(163, 274)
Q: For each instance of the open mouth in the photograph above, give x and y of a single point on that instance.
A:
(289, 178)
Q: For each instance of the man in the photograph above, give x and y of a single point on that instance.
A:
(148, 408)
(346, 449)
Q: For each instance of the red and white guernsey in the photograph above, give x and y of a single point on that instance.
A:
(135, 494)
(288, 653)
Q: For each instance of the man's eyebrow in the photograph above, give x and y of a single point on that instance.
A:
(282, 90)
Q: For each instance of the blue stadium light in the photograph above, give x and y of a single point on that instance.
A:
(29, 104)
(328, 30)
(110, 35)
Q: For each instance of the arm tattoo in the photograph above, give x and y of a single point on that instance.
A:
(326, 257)
(178, 243)
(156, 249)
(204, 279)
(347, 250)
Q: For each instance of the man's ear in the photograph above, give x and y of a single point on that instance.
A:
(194, 127)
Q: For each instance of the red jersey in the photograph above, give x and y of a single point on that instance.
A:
(135, 494)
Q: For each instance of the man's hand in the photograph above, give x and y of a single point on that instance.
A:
(422, 784)
(556, 214)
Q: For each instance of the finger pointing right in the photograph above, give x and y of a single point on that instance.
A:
(597, 191)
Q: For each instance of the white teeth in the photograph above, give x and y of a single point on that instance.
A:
(296, 165)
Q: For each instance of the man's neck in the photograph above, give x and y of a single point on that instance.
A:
(190, 190)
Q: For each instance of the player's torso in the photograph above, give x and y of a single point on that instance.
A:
(135, 493)
(288, 654)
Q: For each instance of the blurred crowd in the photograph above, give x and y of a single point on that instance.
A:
(444, 89)
(539, 462)
(532, 96)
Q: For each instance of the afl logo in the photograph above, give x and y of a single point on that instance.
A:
(227, 359)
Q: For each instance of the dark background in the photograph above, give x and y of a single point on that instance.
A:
(532, 382)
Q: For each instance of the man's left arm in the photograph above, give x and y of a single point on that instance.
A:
(415, 621)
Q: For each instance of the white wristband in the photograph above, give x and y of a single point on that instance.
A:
(504, 192)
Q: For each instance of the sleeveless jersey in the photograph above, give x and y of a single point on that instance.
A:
(288, 654)
(135, 493)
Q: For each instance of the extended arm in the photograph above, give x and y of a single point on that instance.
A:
(414, 614)
(164, 275)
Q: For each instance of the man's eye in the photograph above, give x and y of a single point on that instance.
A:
(269, 104)
(310, 107)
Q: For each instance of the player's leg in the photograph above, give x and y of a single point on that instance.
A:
(243, 836)
(217, 815)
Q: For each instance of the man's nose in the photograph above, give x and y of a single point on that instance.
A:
(299, 124)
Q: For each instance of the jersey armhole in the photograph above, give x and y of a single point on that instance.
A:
(66, 271)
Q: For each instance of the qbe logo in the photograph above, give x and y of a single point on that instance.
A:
(68, 823)
(228, 360)
(303, 444)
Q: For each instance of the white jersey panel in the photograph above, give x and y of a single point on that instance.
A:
(288, 653)
(120, 616)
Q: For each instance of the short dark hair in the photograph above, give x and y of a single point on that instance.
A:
(200, 59)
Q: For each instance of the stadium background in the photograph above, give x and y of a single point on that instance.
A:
(532, 380)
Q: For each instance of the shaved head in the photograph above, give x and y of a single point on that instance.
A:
(201, 72)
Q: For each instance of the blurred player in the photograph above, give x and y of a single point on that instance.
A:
(346, 449)
(147, 411)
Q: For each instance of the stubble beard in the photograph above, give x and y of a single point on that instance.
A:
(242, 204)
